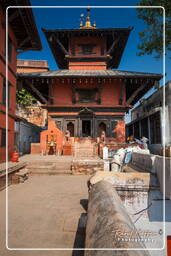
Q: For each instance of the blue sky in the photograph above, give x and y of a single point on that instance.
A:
(60, 18)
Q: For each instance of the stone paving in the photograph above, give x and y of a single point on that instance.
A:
(45, 212)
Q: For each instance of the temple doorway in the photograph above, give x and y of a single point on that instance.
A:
(86, 128)
(102, 128)
(70, 128)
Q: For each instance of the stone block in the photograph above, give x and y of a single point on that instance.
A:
(106, 217)
(15, 179)
(124, 181)
(86, 166)
(143, 161)
(67, 150)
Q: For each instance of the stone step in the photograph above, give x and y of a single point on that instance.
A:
(49, 168)
(49, 172)
(84, 153)
(49, 165)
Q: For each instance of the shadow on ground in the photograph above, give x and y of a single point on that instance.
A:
(81, 230)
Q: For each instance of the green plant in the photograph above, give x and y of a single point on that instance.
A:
(24, 98)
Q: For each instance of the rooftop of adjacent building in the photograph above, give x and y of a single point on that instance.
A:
(32, 63)
(22, 23)
(158, 96)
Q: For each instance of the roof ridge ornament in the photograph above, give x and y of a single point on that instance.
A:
(88, 22)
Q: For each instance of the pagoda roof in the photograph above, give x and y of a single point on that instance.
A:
(58, 40)
(23, 24)
(136, 83)
(92, 73)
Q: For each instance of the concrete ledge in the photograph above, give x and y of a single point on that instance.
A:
(124, 181)
(15, 167)
(155, 164)
(107, 218)
(159, 163)
(143, 161)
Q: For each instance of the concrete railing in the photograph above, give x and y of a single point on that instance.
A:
(143, 161)
(154, 164)
(108, 224)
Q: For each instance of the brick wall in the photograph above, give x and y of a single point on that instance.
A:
(12, 87)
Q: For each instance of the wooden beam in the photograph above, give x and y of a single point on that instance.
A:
(23, 42)
(13, 16)
(61, 45)
(37, 92)
(113, 44)
(131, 98)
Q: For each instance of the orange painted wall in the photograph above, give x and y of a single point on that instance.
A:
(30, 70)
(87, 66)
(75, 50)
(12, 81)
(76, 41)
(111, 93)
(62, 93)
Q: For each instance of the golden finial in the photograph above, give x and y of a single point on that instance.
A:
(81, 20)
(94, 24)
(81, 24)
(88, 22)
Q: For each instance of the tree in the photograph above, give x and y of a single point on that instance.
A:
(24, 98)
(152, 36)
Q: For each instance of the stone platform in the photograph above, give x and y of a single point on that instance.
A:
(56, 165)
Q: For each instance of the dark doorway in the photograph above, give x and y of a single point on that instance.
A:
(155, 128)
(144, 128)
(137, 130)
(70, 128)
(86, 128)
(102, 128)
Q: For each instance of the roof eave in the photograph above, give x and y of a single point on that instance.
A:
(26, 22)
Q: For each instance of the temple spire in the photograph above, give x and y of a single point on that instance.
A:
(88, 22)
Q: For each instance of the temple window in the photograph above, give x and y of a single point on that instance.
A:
(86, 95)
(3, 137)
(4, 92)
(87, 49)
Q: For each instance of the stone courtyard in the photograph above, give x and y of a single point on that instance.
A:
(46, 212)
(49, 211)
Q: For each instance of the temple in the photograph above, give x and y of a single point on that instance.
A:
(88, 96)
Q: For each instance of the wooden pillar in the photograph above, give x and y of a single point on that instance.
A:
(51, 98)
(100, 94)
(140, 133)
(73, 81)
(149, 132)
(122, 93)
(133, 129)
